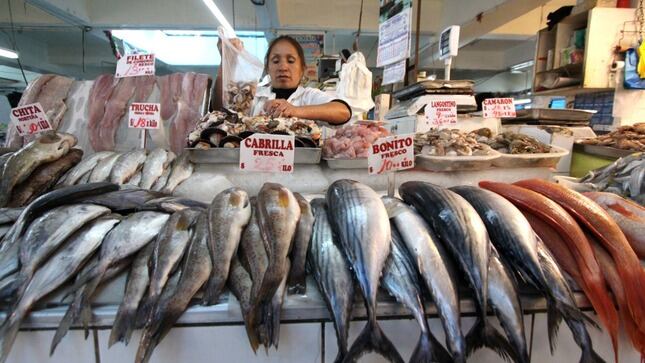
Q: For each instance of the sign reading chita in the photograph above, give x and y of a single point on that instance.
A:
(267, 153)
(391, 153)
(30, 119)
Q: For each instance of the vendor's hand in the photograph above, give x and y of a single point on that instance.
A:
(280, 108)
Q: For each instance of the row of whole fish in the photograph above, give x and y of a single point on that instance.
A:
(419, 248)
(157, 170)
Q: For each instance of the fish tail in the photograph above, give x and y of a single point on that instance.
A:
(8, 334)
(602, 303)
(12, 286)
(250, 323)
(66, 323)
(145, 311)
(428, 350)
(484, 335)
(146, 346)
(122, 327)
(86, 317)
(274, 327)
(553, 318)
(372, 339)
(590, 356)
(213, 290)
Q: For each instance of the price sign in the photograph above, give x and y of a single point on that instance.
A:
(499, 107)
(441, 113)
(134, 65)
(30, 119)
(144, 116)
(391, 154)
(267, 153)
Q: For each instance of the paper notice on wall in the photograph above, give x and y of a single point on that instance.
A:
(394, 73)
(394, 38)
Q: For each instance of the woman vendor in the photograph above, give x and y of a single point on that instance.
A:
(285, 97)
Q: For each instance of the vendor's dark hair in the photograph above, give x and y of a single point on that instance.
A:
(294, 43)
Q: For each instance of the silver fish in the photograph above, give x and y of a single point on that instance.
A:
(135, 288)
(182, 169)
(333, 275)
(157, 161)
(58, 269)
(459, 227)
(360, 220)
(278, 214)
(135, 180)
(163, 179)
(23, 162)
(101, 172)
(172, 204)
(505, 301)
(168, 250)
(576, 322)
(435, 267)
(297, 282)
(46, 234)
(194, 273)
(228, 215)
(126, 166)
(401, 281)
(84, 167)
(126, 239)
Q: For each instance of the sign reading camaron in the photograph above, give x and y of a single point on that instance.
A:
(267, 153)
(391, 153)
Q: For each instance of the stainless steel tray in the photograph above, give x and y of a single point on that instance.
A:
(303, 155)
(455, 163)
(606, 151)
(547, 114)
(347, 163)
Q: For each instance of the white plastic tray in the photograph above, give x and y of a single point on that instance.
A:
(347, 163)
(549, 160)
(455, 163)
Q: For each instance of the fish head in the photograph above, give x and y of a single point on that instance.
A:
(57, 143)
(276, 196)
(394, 206)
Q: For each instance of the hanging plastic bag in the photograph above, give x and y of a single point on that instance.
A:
(632, 78)
(355, 85)
(241, 72)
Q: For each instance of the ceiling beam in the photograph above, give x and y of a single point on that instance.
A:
(73, 12)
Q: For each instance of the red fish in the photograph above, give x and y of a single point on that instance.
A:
(629, 216)
(593, 282)
(601, 225)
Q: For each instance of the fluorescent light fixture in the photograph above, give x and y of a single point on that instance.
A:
(6, 53)
(523, 65)
(220, 17)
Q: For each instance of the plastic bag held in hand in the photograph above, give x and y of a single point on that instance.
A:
(241, 71)
(355, 85)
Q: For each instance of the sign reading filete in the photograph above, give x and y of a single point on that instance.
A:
(441, 113)
(144, 116)
(133, 65)
(391, 153)
(267, 153)
(30, 119)
(499, 107)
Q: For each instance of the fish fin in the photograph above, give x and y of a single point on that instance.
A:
(274, 327)
(372, 339)
(86, 317)
(10, 286)
(553, 318)
(250, 323)
(428, 350)
(66, 323)
(213, 290)
(484, 335)
(8, 334)
(122, 327)
(590, 356)
(147, 345)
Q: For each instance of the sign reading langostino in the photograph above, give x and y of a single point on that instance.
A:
(391, 153)
(135, 65)
(267, 153)
(30, 119)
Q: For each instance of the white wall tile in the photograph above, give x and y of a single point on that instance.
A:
(33, 346)
(298, 343)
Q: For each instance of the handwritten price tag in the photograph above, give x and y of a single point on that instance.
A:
(391, 154)
(135, 65)
(267, 153)
(441, 113)
(30, 119)
(144, 116)
(499, 107)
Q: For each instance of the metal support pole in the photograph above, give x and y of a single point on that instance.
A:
(416, 47)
